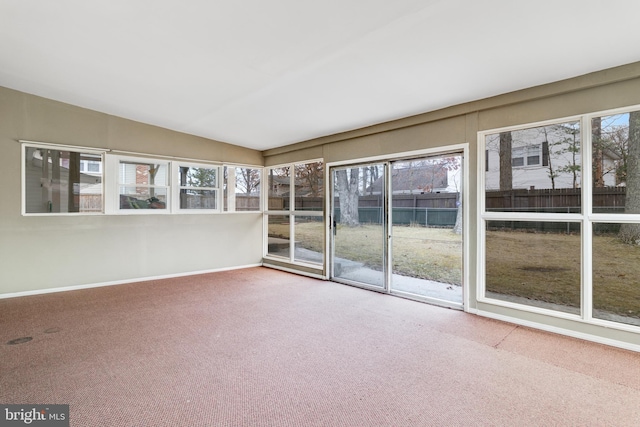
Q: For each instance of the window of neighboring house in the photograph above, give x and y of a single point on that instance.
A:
(197, 187)
(242, 188)
(93, 167)
(90, 166)
(295, 216)
(143, 185)
(54, 181)
(526, 156)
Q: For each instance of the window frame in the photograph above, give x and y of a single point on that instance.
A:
(114, 184)
(59, 147)
(291, 213)
(231, 197)
(176, 187)
(586, 218)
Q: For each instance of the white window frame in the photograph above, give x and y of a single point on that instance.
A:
(585, 218)
(291, 212)
(59, 147)
(231, 182)
(176, 187)
(113, 162)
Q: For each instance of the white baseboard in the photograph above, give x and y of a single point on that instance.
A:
(294, 271)
(122, 282)
(561, 331)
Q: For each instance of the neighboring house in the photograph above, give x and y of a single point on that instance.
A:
(281, 186)
(48, 189)
(539, 153)
(420, 179)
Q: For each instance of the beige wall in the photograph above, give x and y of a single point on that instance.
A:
(613, 88)
(38, 253)
(49, 252)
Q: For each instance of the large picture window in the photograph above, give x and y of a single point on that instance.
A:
(58, 180)
(561, 217)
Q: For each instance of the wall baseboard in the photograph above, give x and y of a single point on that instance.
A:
(122, 282)
(561, 331)
(293, 270)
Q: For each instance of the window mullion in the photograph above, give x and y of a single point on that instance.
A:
(587, 226)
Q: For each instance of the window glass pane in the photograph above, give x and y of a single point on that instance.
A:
(197, 187)
(534, 263)
(93, 167)
(616, 269)
(279, 188)
(198, 199)
(534, 170)
(54, 182)
(137, 173)
(198, 177)
(309, 183)
(278, 235)
(616, 163)
(517, 161)
(247, 189)
(132, 197)
(309, 239)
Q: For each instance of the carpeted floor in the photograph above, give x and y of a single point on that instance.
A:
(260, 347)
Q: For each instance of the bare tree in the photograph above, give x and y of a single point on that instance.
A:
(571, 146)
(453, 164)
(630, 233)
(248, 180)
(548, 157)
(506, 173)
(347, 182)
(596, 137)
(311, 176)
(374, 174)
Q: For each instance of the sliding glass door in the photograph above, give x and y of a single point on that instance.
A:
(426, 228)
(359, 231)
(396, 227)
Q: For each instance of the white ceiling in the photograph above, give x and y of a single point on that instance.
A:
(266, 73)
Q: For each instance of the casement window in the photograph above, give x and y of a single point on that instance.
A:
(57, 179)
(563, 239)
(197, 187)
(294, 216)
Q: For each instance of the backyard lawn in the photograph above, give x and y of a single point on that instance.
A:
(426, 253)
(546, 267)
(541, 267)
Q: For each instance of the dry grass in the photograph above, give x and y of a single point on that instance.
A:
(546, 267)
(427, 253)
(537, 266)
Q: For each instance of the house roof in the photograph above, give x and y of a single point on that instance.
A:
(418, 179)
(264, 74)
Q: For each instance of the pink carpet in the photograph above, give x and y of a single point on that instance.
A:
(260, 347)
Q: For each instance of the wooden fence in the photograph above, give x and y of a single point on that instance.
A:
(605, 200)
